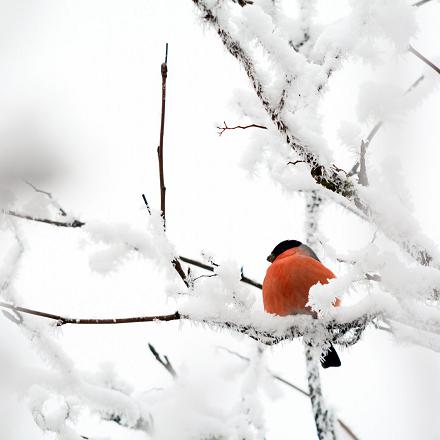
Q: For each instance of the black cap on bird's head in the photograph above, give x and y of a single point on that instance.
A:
(282, 247)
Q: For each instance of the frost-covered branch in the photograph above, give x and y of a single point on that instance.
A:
(324, 419)
(313, 348)
(270, 331)
(328, 176)
(63, 320)
(225, 127)
(292, 386)
(365, 143)
(109, 402)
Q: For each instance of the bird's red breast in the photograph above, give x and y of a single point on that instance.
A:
(288, 281)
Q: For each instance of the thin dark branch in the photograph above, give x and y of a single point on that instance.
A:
(347, 429)
(225, 127)
(62, 320)
(179, 269)
(47, 194)
(296, 161)
(324, 421)
(247, 280)
(421, 3)
(196, 263)
(72, 224)
(424, 59)
(204, 276)
(244, 279)
(165, 362)
(146, 203)
(415, 84)
(164, 72)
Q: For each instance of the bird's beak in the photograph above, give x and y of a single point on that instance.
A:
(270, 258)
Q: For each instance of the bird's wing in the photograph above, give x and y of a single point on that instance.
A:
(288, 281)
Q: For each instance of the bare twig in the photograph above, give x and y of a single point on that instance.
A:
(204, 276)
(225, 127)
(424, 59)
(49, 195)
(165, 362)
(72, 224)
(164, 72)
(196, 263)
(62, 320)
(244, 279)
(247, 280)
(179, 269)
(421, 3)
(146, 203)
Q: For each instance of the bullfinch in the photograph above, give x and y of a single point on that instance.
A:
(294, 270)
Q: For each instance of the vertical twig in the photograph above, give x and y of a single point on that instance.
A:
(164, 72)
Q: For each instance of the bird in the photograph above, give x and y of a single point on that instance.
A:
(294, 269)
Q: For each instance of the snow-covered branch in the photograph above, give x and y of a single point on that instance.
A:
(328, 176)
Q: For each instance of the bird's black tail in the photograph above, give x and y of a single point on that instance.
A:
(331, 358)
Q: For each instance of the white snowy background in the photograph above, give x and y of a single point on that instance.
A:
(80, 84)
